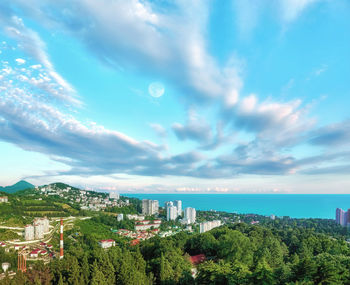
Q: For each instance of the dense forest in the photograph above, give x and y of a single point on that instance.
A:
(285, 251)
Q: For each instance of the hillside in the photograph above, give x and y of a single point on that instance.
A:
(20, 185)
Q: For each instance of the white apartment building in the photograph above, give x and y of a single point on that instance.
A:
(44, 222)
(190, 215)
(150, 207)
(207, 226)
(38, 231)
(168, 204)
(29, 232)
(178, 205)
(135, 217)
(114, 195)
(171, 213)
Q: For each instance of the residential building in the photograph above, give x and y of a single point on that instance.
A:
(114, 195)
(167, 205)
(34, 253)
(190, 215)
(38, 231)
(135, 217)
(3, 199)
(178, 205)
(207, 226)
(342, 217)
(5, 266)
(29, 232)
(143, 227)
(107, 243)
(120, 217)
(44, 222)
(171, 213)
(150, 207)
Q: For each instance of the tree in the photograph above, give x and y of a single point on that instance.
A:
(97, 277)
(263, 274)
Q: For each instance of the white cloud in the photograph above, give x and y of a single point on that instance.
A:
(32, 44)
(292, 9)
(20, 61)
(116, 29)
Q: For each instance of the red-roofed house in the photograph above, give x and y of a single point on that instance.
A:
(134, 242)
(43, 252)
(34, 253)
(197, 259)
(144, 222)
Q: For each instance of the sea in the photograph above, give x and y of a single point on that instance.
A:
(292, 205)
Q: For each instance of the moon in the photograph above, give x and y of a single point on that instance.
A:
(156, 89)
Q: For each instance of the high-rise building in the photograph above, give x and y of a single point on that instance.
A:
(190, 215)
(207, 226)
(341, 217)
(44, 222)
(150, 207)
(156, 206)
(171, 213)
(38, 230)
(168, 204)
(178, 205)
(29, 232)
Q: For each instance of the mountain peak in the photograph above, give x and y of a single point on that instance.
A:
(20, 185)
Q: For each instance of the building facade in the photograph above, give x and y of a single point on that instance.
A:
(150, 207)
(178, 205)
(171, 213)
(3, 199)
(29, 232)
(207, 226)
(38, 231)
(44, 222)
(342, 217)
(190, 215)
(107, 243)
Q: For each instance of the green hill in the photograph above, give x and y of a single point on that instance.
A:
(20, 185)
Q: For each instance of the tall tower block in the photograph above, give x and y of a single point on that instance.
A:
(61, 239)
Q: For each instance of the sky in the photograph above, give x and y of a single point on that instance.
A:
(176, 96)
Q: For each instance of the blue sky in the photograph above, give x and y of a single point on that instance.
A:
(176, 96)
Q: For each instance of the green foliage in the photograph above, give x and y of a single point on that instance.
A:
(8, 234)
(112, 222)
(284, 251)
(131, 209)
